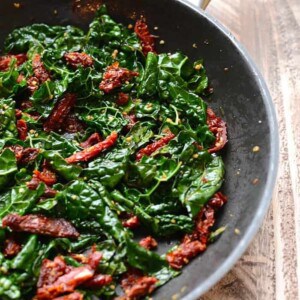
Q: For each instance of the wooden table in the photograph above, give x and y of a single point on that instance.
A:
(270, 30)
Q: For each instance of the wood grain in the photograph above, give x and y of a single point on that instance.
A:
(270, 30)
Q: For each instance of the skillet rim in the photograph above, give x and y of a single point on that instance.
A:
(266, 197)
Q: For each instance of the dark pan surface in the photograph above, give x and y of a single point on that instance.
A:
(240, 92)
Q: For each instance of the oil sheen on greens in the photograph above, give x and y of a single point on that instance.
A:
(158, 189)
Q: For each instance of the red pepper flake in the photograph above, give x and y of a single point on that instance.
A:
(22, 129)
(115, 76)
(151, 148)
(147, 39)
(148, 243)
(218, 127)
(92, 140)
(11, 247)
(59, 113)
(136, 285)
(65, 283)
(5, 60)
(46, 176)
(122, 99)
(195, 243)
(77, 59)
(24, 155)
(40, 224)
(93, 151)
(72, 296)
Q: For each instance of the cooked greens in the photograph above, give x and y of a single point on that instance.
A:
(148, 134)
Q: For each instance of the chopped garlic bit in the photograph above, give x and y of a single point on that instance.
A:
(161, 42)
(198, 67)
(255, 149)
(237, 231)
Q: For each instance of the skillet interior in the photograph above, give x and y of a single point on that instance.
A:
(240, 93)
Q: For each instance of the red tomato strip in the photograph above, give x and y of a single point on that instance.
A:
(93, 151)
(59, 113)
(218, 127)
(51, 270)
(92, 140)
(77, 59)
(40, 74)
(65, 283)
(22, 129)
(40, 224)
(114, 77)
(195, 243)
(98, 281)
(147, 40)
(151, 148)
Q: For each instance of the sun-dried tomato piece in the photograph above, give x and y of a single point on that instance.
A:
(22, 129)
(51, 270)
(40, 224)
(136, 285)
(131, 118)
(131, 223)
(39, 70)
(185, 251)
(18, 114)
(11, 247)
(33, 84)
(151, 148)
(40, 74)
(76, 59)
(25, 104)
(73, 296)
(122, 99)
(147, 39)
(47, 176)
(6, 59)
(72, 124)
(20, 78)
(24, 155)
(98, 281)
(148, 243)
(218, 127)
(66, 283)
(115, 76)
(35, 182)
(196, 242)
(92, 140)
(94, 259)
(59, 113)
(93, 151)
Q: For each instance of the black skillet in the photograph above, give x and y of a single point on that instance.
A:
(239, 93)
